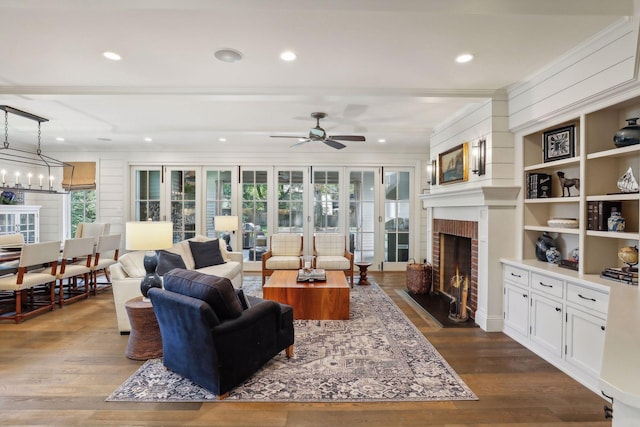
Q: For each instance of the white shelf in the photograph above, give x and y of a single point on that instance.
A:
(615, 152)
(572, 199)
(552, 165)
(614, 234)
(552, 229)
(614, 197)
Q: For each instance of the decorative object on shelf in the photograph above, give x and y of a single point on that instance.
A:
(149, 236)
(543, 243)
(454, 165)
(29, 159)
(8, 198)
(563, 222)
(559, 143)
(575, 255)
(615, 222)
(629, 255)
(598, 212)
(568, 183)
(627, 182)
(479, 154)
(628, 135)
(623, 275)
(553, 255)
(538, 185)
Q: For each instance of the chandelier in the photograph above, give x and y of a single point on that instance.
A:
(43, 182)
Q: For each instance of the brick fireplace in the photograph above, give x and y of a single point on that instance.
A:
(442, 257)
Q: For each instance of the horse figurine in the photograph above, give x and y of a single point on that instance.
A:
(568, 183)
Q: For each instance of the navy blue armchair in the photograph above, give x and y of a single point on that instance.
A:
(215, 335)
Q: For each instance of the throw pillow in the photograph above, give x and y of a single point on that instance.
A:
(168, 261)
(206, 254)
(218, 292)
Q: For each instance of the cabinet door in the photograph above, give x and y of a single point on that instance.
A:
(546, 323)
(516, 308)
(585, 341)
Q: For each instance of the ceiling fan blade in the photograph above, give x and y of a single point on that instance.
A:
(288, 136)
(348, 137)
(300, 143)
(335, 144)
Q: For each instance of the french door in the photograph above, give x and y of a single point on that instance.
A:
(397, 205)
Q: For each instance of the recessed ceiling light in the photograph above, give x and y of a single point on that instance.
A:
(104, 139)
(60, 139)
(147, 139)
(222, 139)
(464, 58)
(112, 56)
(382, 141)
(288, 56)
(228, 55)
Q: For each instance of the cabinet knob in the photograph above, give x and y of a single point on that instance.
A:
(602, 328)
(525, 296)
(515, 275)
(558, 309)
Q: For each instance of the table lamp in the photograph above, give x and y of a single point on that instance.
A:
(149, 236)
(225, 224)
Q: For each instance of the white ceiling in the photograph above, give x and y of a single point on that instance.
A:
(379, 68)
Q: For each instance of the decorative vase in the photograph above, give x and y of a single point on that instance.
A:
(543, 243)
(553, 255)
(615, 222)
(575, 255)
(628, 135)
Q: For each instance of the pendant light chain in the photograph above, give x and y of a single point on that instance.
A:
(39, 150)
(6, 129)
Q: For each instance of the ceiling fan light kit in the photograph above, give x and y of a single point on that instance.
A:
(318, 134)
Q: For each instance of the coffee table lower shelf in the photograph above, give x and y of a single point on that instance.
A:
(326, 300)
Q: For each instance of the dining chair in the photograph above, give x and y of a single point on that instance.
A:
(76, 262)
(106, 254)
(92, 229)
(10, 240)
(24, 283)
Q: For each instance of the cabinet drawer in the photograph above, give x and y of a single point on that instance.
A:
(588, 298)
(516, 275)
(546, 284)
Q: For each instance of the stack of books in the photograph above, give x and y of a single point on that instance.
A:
(598, 213)
(311, 275)
(538, 185)
(620, 275)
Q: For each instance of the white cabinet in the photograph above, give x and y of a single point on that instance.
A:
(558, 315)
(546, 323)
(585, 341)
(21, 219)
(516, 309)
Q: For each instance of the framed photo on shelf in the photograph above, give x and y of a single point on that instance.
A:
(559, 143)
(454, 166)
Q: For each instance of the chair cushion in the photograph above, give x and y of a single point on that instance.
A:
(283, 263)
(206, 254)
(333, 263)
(218, 292)
(286, 244)
(330, 244)
(167, 261)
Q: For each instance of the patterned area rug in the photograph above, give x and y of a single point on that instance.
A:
(377, 355)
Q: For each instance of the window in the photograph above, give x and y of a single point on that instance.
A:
(83, 208)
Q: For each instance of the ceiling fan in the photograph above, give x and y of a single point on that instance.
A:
(319, 135)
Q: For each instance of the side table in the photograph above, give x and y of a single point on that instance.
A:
(363, 266)
(145, 341)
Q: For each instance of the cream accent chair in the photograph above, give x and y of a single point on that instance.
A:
(76, 262)
(106, 255)
(284, 253)
(22, 284)
(330, 252)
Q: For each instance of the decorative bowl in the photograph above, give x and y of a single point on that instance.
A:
(563, 222)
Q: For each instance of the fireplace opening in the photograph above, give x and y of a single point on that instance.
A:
(455, 274)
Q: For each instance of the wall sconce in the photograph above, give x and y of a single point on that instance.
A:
(431, 172)
(479, 154)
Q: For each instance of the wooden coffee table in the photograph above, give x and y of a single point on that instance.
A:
(326, 300)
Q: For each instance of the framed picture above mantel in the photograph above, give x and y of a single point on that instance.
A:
(454, 165)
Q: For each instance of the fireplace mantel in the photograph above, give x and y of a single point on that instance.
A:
(476, 196)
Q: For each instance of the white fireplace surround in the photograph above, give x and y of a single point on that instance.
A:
(494, 209)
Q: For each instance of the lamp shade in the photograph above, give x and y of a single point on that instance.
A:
(148, 235)
(225, 223)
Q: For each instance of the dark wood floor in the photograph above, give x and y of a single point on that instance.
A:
(58, 368)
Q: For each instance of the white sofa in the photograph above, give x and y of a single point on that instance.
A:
(127, 274)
